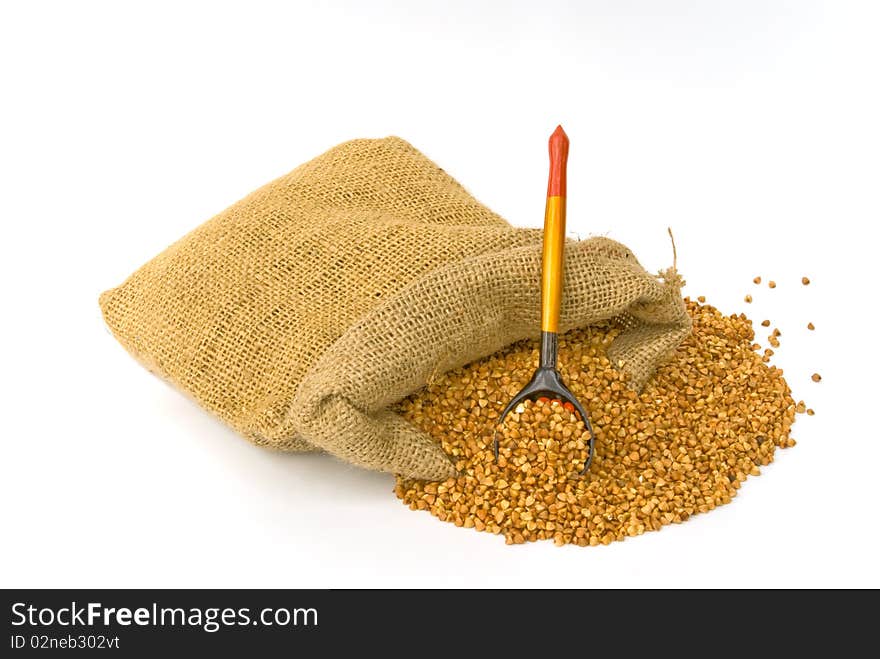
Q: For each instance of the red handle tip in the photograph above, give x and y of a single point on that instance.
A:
(559, 136)
(558, 161)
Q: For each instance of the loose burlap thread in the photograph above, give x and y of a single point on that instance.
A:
(302, 312)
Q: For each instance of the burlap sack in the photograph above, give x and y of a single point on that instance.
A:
(299, 314)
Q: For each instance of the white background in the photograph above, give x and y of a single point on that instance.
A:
(750, 128)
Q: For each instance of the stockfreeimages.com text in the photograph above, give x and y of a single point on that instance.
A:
(209, 619)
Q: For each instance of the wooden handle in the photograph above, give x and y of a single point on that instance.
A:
(554, 233)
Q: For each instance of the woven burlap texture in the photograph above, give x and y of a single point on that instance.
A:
(302, 312)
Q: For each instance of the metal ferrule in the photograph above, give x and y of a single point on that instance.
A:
(549, 349)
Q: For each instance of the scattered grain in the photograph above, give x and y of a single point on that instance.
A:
(748, 299)
(805, 281)
(709, 418)
(771, 284)
(816, 377)
(810, 326)
(765, 323)
(757, 280)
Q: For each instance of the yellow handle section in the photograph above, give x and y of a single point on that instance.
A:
(551, 267)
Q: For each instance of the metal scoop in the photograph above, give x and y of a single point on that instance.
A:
(546, 382)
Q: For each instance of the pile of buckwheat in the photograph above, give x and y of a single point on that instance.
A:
(709, 418)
